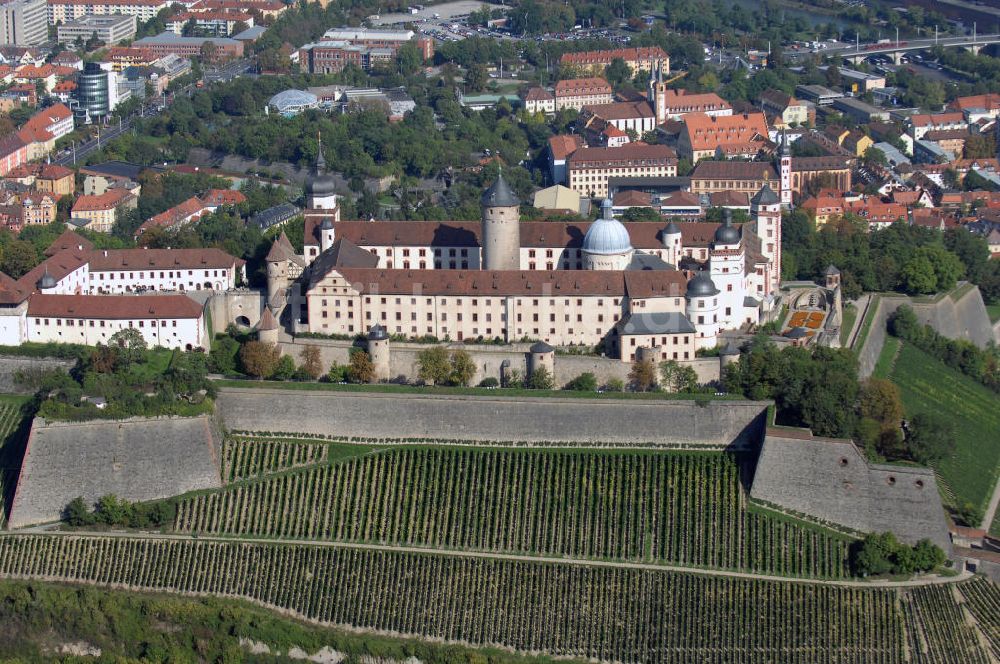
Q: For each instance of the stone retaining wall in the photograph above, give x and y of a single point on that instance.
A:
(10, 365)
(485, 419)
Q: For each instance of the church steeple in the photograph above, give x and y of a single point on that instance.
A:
(320, 159)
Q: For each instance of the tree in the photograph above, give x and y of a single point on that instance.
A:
(927, 555)
(874, 554)
(285, 368)
(129, 345)
(409, 59)
(930, 437)
(676, 377)
(259, 359)
(585, 382)
(76, 513)
(462, 368)
(18, 258)
(642, 376)
(641, 214)
(360, 369)
(617, 73)
(880, 401)
(918, 275)
(540, 379)
(112, 511)
(476, 78)
(980, 146)
(433, 366)
(222, 357)
(312, 363)
(874, 157)
(833, 78)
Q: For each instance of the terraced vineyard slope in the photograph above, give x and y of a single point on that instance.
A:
(244, 458)
(675, 507)
(12, 436)
(588, 611)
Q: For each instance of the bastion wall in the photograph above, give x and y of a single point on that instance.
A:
(500, 419)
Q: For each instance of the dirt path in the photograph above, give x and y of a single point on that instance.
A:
(991, 509)
(920, 581)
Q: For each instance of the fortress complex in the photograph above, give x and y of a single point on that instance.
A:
(665, 290)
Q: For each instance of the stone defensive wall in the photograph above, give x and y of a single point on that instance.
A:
(138, 459)
(403, 360)
(831, 481)
(11, 365)
(964, 317)
(618, 422)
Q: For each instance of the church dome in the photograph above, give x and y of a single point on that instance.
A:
(320, 183)
(701, 286)
(607, 235)
(47, 281)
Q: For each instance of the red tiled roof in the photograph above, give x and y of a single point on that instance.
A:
(537, 94)
(572, 87)
(54, 172)
(114, 307)
(68, 240)
(11, 291)
(926, 119)
(138, 259)
(605, 57)
(708, 132)
(630, 152)
(217, 197)
(678, 101)
(106, 201)
(564, 145)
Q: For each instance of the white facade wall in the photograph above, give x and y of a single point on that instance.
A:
(703, 312)
(579, 101)
(168, 333)
(13, 325)
(726, 267)
(126, 281)
(74, 283)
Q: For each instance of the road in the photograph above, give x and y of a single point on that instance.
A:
(578, 562)
(848, 49)
(154, 106)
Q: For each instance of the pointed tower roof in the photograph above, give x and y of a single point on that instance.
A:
(267, 321)
(47, 280)
(499, 195)
(727, 233)
(783, 146)
(320, 184)
(281, 249)
(765, 196)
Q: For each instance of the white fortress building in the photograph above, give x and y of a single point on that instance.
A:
(642, 288)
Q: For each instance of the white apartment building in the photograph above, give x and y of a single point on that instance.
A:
(22, 23)
(61, 11)
(168, 321)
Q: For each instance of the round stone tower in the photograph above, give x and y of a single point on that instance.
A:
(501, 230)
(650, 354)
(378, 350)
(703, 310)
(542, 356)
(267, 328)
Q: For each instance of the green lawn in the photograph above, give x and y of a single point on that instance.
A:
(928, 385)
(995, 526)
(850, 315)
(994, 311)
(866, 323)
(884, 365)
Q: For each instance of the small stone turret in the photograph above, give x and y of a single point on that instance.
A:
(650, 354)
(268, 328)
(326, 235)
(542, 355)
(730, 354)
(378, 350)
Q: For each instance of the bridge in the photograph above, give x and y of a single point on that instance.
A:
(855, 53)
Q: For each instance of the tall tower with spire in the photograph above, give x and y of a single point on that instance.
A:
(785, 171)
(321, 187)
(657, 94)
(501, 227)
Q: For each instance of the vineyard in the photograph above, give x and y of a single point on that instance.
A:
(586, 611)
(250, 458)
(938, 630)
(11, 449)
(983, 601)
(678, 508)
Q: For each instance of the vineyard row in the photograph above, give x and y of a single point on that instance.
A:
(678, 508)
(605, 613)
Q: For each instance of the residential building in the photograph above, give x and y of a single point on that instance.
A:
(330, 57)
(818, 94)
(648, 58)
(218, 49)
(22, 22)
(56, 180)
(61, 11)
(192, 209)
(210, 23)
(110, 29)
(739, 176)
(784, 108)
(921, 123)
(579, 92)
(123, 57)
(857, 143)
(167, 321)
(38, 208)
(13, 152)
(538, 100)
(99, 212)
(703, 135)
(950, 140)
(588, 169)
(560, 148)
(52, 123)
(676, 104)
